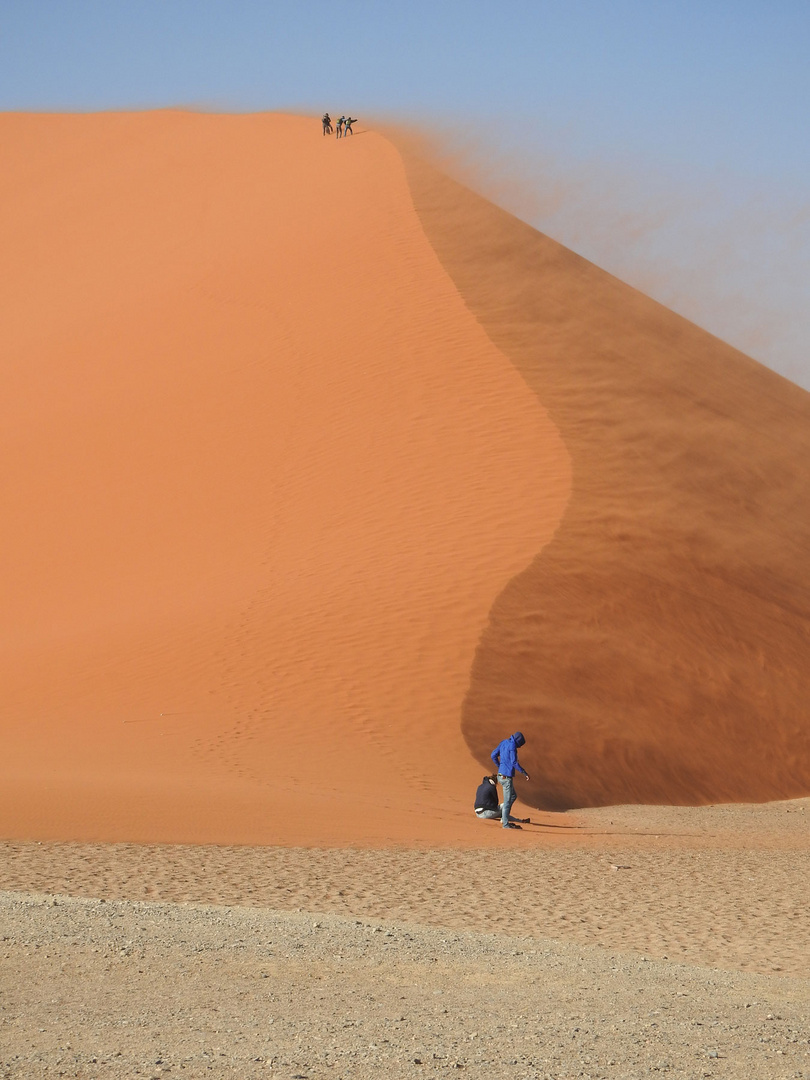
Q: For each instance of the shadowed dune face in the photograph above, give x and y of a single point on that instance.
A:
(265, 476)
(658, 649)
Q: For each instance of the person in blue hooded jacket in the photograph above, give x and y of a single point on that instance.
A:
(505, 757)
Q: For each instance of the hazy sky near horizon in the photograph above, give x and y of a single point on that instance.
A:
(665, 139)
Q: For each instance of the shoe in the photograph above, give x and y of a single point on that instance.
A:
(525, 820)
(511, 825)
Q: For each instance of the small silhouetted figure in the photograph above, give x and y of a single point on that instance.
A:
(326, 120)
(347, 125)
(340, 124)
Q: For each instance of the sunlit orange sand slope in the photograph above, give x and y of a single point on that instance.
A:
(264, 477)
(658, 649)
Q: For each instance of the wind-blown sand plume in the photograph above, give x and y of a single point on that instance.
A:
(266, 475)
(658, 649)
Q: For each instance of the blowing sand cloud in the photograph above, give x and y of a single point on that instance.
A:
(730, 254)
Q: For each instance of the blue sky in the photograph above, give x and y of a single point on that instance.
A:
(666, 140)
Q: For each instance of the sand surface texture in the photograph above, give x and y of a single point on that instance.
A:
(696, 887)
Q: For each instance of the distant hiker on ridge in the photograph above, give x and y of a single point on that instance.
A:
(505, 757)
(487, 806)
(326, 120)
(347, 125)
(340, 124)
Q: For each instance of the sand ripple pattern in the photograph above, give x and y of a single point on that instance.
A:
(733, 909)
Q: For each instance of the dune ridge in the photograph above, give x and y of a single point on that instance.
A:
(656, 651)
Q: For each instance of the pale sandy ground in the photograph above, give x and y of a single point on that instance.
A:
(661, 942)
(116, 989)
(724, 886)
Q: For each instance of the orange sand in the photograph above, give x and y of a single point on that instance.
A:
(266, 475)
(284, 510)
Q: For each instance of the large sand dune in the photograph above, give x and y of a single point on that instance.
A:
(284, 509)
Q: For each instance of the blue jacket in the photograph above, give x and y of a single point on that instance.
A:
(505, 755)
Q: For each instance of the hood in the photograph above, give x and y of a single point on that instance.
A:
(486, 778)
(518, 737)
